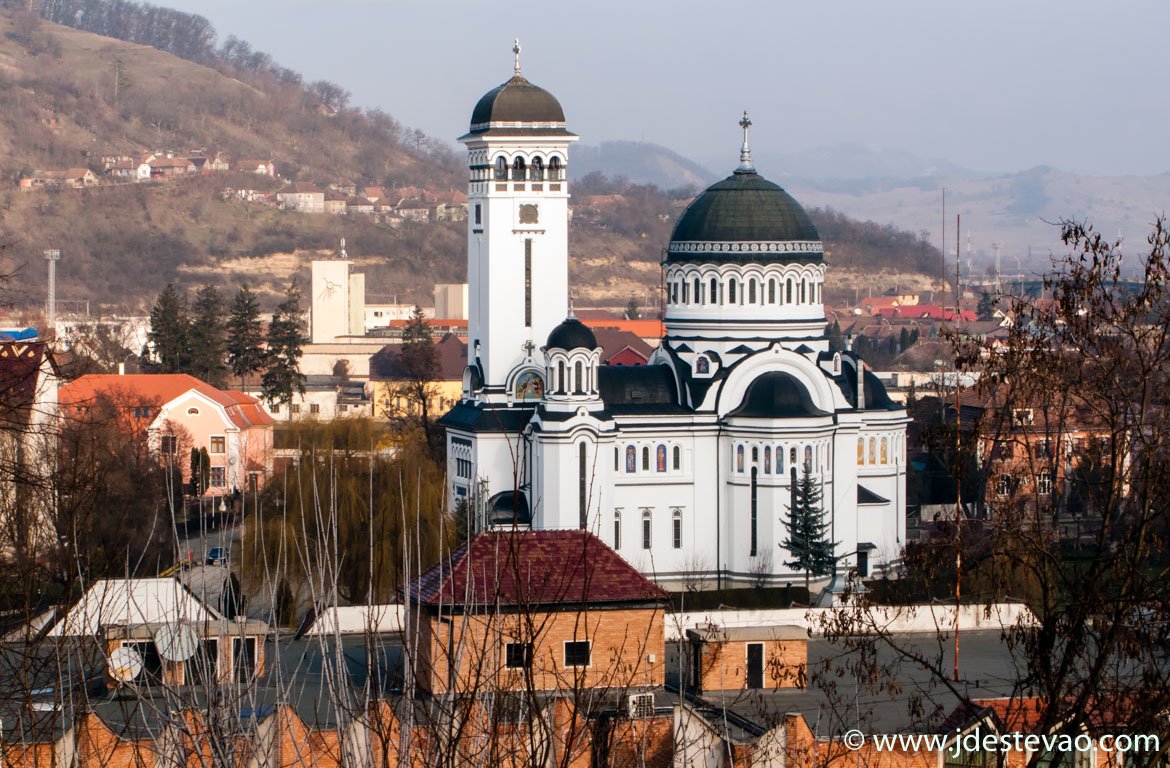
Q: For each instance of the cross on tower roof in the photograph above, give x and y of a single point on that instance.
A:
(745, 152)
(516, 54)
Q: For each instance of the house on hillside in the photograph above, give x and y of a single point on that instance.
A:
(181, 412)
(71, 178)
(302, 196)
(258, 167)
(335, 203)
(215, 162)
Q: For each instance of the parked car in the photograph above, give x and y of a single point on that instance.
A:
(217, 556)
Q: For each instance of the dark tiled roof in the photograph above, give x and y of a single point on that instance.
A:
(640, 385)
(531, 568)
(744, 207)
(474, 418)
(777, 395)
(866, 496)
(450, 350)
(516, 101)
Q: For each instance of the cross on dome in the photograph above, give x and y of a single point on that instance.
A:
(516, 54)
(745, 152)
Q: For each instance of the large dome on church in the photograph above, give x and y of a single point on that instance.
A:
(744, 218)
(516, 101)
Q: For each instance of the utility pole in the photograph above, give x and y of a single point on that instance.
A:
(52, 256)
(958, 464)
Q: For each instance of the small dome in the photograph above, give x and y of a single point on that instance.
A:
(571, 334)
(508, 508)
(744, 208)
(777, 395)
(516, 101)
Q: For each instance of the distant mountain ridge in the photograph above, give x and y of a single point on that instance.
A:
(640, 162)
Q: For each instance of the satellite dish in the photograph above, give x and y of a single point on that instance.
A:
(176, 642)
(125, 664)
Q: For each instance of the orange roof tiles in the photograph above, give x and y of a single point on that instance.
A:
(158, 389)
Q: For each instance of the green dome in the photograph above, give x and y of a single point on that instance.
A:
(745, 218)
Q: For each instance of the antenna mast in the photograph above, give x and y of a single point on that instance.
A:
(958, 463)
(52, 256)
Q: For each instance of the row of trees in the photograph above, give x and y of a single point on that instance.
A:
(209, 339)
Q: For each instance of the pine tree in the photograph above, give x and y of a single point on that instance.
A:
(836, 338)
(170, 331)
(282, 376)
(808, 532)
(245, 336)
(208, 337)
(986, 308)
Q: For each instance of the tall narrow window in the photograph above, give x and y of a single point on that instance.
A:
(714, 290)
(677, 458)
(501, 169)
(755, 513)
(731, 291)
(518, 169)
(528, 283)
(803, 285)
(772, 291)
(752, 291)
(698, 292)
(616, 454)
(767, 459)
(686, 292)
(478, 213)
(788, 291)
(645, 459)
(779, 459)
(739, 458)
(631, 460)
(647, 541)
(660, 458)
(579, 376)
(582, 502)
(562, 383)
(617, 529)
(554, 169)
(676, 529)
(537, 172)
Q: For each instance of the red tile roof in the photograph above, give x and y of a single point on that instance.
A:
(533, 568)
(158, 389)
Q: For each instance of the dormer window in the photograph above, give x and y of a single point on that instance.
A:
(554, 169)
(519, 170)
(537, 171)
(501, 169)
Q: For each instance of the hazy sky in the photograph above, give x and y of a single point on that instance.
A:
(994, 85)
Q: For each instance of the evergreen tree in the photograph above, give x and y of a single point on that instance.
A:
(282, 376)
(245, 336)
(208, 337)
(417, 366)
(986, 306)
(200, 471)
(836, 338)
(808, 532)
(632, 312)
(170, 331)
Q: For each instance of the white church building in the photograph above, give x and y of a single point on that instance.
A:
(685, 466)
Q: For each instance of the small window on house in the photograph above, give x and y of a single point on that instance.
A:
(1003, 485)
(218, 444)
(577, 653)
(243, 658)
(219, 477)
(1044, 484)
(314, 408)
(192, 411)
(141, 412)
(501, 169)
(168, 444)
(275, 408)
(294, 408)
(518, 655)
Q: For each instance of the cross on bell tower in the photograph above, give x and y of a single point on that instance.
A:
(516, 55)
(745, 152)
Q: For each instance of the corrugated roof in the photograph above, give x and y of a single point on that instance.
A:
(531, 568)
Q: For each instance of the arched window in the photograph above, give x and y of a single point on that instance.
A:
(779, 459)
(646, 530)
(715, 291)
(792, 456)
(767, 459)
(788, 292)
(772, 291)
(752, 291)
(518, 169)
(698, 292)
(808, 458)
(677, 458)
(645, 458)
(755, 455)
(501, 169)
(676, 528)
(885, 450)
(860, 451)
(616, 458)
(660, 458)
(739, 458)
(731, 291)
(803, 285)
(537, 171)
(686, 299)
(631, 460)
(872, 451)
(562, 382)
(554, 169)
(579, 377)
(617, 529)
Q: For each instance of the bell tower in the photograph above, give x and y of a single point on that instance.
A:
(517, 230)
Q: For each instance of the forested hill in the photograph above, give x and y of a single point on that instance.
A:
(71, 98)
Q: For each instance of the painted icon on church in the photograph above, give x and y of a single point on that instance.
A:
(739, 459)
(702, 365)
(631, 460)
(767, 459)
(529, 386)
(529, 213)
(808, 458)
(660, 458)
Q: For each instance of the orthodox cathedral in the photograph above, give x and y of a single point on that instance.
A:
(685, 466)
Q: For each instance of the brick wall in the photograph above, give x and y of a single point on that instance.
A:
(723, 663)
